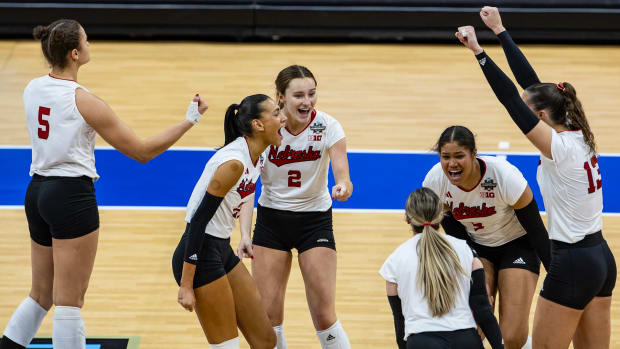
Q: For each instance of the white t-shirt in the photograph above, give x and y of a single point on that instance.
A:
(63, 144)
(223, 222)
(486, 210)
(401, 267)
(571, 188)
(295, 174)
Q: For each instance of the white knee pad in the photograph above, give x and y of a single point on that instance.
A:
(279, 330)
(334, 337)
(229, 344)
(68, 330)
(25, 322)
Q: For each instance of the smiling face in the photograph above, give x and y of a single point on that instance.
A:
(299, 100)
(272, 120)
(457, 163)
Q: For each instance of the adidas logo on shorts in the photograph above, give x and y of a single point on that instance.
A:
(519, 261)
(330, 337)
(482, 61)
(322, 240)
(193, 257)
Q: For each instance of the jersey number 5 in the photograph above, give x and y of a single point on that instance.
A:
(294, 178)
(599, 183)
(44, 124)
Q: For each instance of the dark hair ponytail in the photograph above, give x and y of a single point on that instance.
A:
(238, 118)
(58, 39)
(564, 108)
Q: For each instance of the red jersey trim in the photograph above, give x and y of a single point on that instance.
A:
(484, 171)
(312, 116)
(53, 77)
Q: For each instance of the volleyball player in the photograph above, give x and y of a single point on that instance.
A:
(435, 284)
(575, 299)
(63, 119)
(209, 274)
(294, 209)
(490, 204)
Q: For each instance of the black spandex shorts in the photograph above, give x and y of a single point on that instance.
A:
(579, 272)
(517, 253)
(459, 339)
(216, 259)
(285, 230)
(60, 208)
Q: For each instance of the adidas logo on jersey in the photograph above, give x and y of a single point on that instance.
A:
(330, 337)
(519, 261)
(193, 257)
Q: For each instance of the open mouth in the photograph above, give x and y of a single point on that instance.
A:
(455, 175)
(303, 112)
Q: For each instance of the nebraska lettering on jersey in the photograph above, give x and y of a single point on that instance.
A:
(465, 212)
(246, 187)
(289, 156)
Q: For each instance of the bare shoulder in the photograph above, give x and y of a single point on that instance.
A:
(226, 175)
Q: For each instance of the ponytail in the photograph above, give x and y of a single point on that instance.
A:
(439, 266)
(563, 106)
(238, 117)
(576, 116)
(231, 130)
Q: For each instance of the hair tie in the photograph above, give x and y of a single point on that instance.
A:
(560, 86)
(427, 223)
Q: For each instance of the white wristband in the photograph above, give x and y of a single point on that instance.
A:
(192, 115)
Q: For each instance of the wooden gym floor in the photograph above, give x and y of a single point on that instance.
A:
(386, 97)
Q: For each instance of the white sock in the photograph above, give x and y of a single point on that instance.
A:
(279, 330)
(68, 330)
(334, 337)
(229, 344)
(25, 322)
(528, 343)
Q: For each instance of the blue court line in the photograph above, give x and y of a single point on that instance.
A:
(49, 346)
(382, 180)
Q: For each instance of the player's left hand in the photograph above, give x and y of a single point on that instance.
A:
(467, 36)
(340, 192)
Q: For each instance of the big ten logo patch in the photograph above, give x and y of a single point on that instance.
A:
(315, 138)
(487, 194)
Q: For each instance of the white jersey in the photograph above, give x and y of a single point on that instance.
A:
(571, 188)
(401, 267)
(223, 222)
(63, 144)
(486, 210)
(295, 175)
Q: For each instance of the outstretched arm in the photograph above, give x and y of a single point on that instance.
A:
(539, 133)
(521, 68)
(98, 114)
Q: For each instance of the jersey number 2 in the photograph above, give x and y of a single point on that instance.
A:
(44, 124)
(599, 183)
(294, 178)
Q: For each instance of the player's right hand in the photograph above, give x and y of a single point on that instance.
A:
(196, 109)
(186, 298)
(490, 16)
(244, 250)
